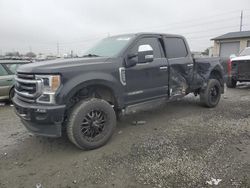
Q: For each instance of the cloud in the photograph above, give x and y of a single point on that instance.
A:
(77, 24)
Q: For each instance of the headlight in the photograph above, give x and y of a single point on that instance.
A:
(50, 84)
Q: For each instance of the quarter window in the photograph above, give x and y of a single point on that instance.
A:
(175, 47)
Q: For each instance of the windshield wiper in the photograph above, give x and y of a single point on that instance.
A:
(91, 55)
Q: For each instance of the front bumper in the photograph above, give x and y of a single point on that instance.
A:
(40, 119)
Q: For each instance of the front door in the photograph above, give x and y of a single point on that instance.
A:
(146, 81)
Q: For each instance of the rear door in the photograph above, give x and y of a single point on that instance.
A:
(180, 64)
(147, 81)
(6, 82)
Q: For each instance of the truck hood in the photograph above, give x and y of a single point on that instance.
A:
(55, 66)
(247, 57)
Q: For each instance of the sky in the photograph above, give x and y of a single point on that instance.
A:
(45, 26)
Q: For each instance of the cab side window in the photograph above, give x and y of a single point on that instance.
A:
(175, 47)
(3, 72)
(153, 42)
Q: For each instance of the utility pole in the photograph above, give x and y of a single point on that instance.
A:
(241, 18)
(57, 48)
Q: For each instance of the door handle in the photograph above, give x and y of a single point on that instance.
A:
(190, 65)
(9, 80)
(164, 68)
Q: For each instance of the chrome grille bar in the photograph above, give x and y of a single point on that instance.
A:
(27, 87)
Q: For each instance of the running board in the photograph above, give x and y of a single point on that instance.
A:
(148, 105)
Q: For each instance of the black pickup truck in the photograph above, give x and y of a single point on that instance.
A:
(120, 75)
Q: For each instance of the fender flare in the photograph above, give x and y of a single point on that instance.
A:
(70, 88)
(218, 69)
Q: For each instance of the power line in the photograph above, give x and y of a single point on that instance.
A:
(174, 28)
(177, 27)
(190, 21)
(205, 23)
(167, 26)
(212, 29)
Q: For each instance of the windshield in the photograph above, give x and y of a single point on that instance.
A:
(109, 47)
(245, 52)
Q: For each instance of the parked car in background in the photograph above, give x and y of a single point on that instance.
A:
(7, 72)
(239, 68)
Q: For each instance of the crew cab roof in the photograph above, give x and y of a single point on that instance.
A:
(162, 34)
(149, 33)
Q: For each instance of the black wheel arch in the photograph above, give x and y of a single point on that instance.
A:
(94, 88)
(217, 74)
(77, 84)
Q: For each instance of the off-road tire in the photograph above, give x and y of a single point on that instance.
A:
(76, 117)
(206, 96)
(231, 83)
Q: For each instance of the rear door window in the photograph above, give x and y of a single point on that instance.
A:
(3, 72)
(175, 47)
(12, 67)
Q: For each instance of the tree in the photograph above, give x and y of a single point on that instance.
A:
(206, 52)
(30, 54)
(12, 54)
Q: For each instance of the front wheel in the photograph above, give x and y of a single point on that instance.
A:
(91, 123)
(210, 96)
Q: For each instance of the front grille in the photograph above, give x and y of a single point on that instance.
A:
(242, 67)
(26, 76)
(27, 88)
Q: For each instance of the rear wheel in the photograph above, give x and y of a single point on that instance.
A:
(210, 96)
(231, 83)
(91, 123)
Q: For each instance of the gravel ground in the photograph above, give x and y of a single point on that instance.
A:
(181, 144)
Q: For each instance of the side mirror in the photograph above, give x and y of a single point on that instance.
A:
(145, 53)
(130, 60)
